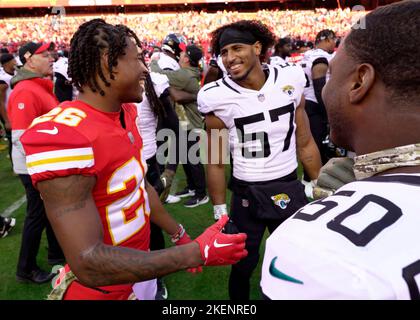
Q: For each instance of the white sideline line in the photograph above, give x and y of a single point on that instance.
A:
(16, 205)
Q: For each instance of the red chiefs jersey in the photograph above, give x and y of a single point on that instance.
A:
(29, 99)
(75, 138)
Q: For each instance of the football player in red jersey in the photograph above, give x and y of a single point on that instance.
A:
(85, 157)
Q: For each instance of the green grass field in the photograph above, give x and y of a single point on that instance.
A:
(210, 284)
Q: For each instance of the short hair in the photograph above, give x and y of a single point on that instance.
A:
(282, 42)
(390, 43)
(259, 30)
(324, 35)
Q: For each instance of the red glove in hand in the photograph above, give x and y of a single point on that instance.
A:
(184, 240)
(217, 248)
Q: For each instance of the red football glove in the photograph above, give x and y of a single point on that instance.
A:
(217, 248)
(184, 240)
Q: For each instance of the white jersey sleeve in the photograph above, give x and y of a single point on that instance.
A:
(147, 120)
(307, 63)
(160, 82)
(356, 244)
(210, 100)
(61, 67)
(165, 62)
(276, 60)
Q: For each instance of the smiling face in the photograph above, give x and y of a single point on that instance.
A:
(130, 74)
(240, 59)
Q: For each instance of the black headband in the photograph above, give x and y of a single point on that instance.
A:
(230, 36)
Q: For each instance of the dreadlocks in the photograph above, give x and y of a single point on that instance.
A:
(259, 30)
(154, 101)
(89, 42)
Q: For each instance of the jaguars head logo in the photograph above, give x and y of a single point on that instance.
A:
(281, 200)
(288, 90)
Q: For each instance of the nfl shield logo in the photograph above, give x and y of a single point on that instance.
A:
(261, 97)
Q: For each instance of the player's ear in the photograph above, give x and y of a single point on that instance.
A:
(363, 80)
(105, 63)
(257, 48)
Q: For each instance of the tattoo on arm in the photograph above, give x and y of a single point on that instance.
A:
(67, 194)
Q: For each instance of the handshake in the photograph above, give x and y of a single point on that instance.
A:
(216, 247)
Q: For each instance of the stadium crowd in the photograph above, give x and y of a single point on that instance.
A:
(195, 26)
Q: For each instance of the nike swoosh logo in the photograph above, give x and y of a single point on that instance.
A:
(280, 275)
(52, 131)
(221, 245)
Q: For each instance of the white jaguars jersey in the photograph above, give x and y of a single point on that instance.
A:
(165, 62)
(277, 60)
(308, 58)
(261, 124)
(147, 120)
(361, 243)
(4, 76)
(61, 66)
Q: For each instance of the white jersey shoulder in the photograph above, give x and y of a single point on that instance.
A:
(307, 62)
(61, 67)
(261, 123)
(160, 82)
(165, 62)
(276, 60)
(147, 120)
(4, 76)
(359, 243)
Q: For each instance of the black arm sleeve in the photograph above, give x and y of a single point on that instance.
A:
(318, 85)
(170, 121)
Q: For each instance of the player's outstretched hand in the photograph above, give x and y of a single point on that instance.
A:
(217, 248)
(333, 175)
(184, 240)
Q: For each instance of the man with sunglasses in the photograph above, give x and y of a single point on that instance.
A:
(32, 97)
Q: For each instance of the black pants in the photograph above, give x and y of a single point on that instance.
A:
(157, 241)
(240, 275)
(196, 177)
(9, 138)
(35, 222)
(318, 122)
(252, 211)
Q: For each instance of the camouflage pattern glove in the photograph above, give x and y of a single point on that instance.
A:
(333, 175)
(166, 177)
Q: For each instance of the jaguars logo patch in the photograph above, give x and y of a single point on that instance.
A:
(288, 90)
(281, 200)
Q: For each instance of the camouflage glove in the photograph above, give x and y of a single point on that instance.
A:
(166, 177)
(333, 175)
